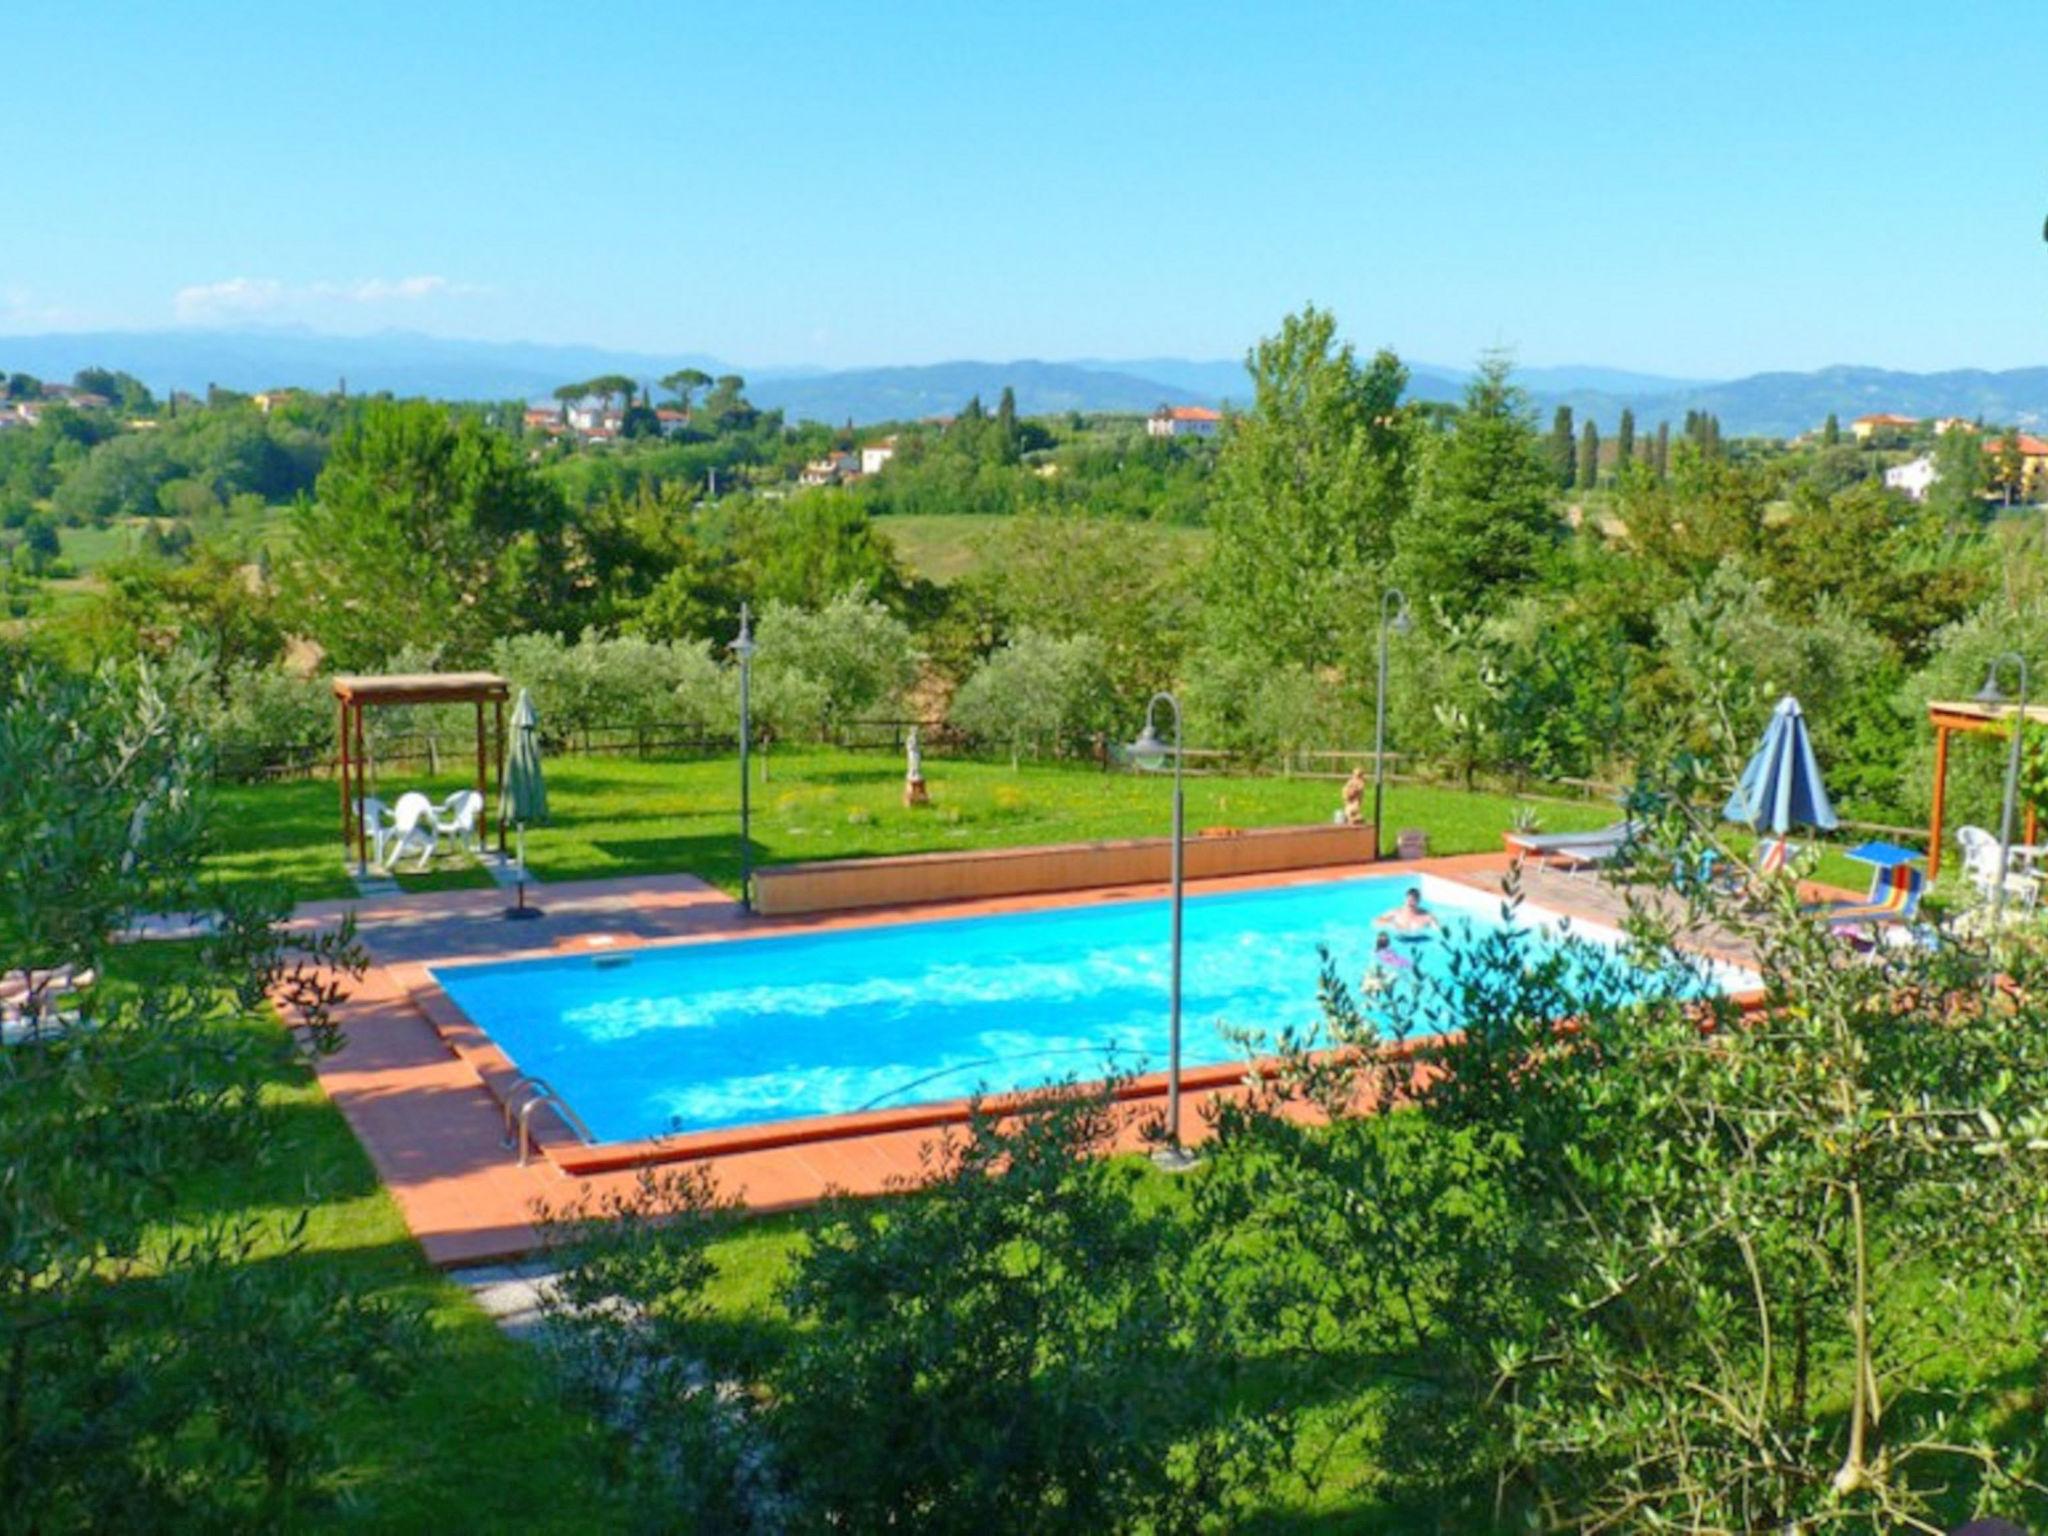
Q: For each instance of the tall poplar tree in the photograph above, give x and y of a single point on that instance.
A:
(1563, 450)
(1309, 486)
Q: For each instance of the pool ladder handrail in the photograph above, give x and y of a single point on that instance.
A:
(537, 1091)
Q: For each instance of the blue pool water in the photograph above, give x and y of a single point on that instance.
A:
(691, 1037)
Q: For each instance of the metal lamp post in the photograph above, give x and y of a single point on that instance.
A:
(743, 648)
(1992, 694)
(1149, 752)
(1393, 618)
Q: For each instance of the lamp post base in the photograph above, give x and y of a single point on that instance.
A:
(1174, 1158)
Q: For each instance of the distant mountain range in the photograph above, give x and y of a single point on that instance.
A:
(406, 363)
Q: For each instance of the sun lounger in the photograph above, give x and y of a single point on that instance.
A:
(1773, 854)
(1577, 851)
(1894, 898)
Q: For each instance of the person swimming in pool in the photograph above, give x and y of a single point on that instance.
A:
(1387, 963)
(1411, 917)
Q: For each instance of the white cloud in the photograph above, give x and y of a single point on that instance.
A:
(383, 290)
(241, 296)
(233, 296)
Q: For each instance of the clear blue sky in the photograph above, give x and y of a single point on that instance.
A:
(1706, 189)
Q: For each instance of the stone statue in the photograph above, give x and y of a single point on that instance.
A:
(1354, 799)
(914, 792)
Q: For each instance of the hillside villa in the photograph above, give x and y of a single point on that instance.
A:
(840, 465)
(875, 455)
(1916, 477)
(1866, 427)
(1183, 421)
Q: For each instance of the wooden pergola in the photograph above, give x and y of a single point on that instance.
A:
(1968, 715)
(353, 694)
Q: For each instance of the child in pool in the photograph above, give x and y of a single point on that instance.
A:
(1387, 963)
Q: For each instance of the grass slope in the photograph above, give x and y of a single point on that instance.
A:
(945, 546)
(476, 1440)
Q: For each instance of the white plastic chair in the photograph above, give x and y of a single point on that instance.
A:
(460, 816)
(1981, 863)
(375, 816)
(412, 826)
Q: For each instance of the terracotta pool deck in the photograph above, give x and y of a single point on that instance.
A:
(418, 1099)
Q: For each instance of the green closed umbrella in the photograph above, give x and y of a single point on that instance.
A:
(526, 792)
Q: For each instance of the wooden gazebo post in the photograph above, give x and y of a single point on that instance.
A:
(1968, 715)
(1940, 799)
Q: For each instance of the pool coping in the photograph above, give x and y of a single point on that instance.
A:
(420, 1084)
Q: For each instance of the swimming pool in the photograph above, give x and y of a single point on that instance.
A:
(702, 1036)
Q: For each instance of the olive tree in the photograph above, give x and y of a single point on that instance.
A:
(850, 656)
(1012, 1345)
(1036, 694)
(153, 1373)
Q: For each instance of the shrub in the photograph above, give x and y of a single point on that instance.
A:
(1036, 695)
(261, 712)
(1678, 1267)
(831, 664)
(1014, 1347)
(628, 682)
(1241, 703)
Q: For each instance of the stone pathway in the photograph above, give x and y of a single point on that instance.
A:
(168, 926)
(369, 880)
(510, 1294)
(504, 871)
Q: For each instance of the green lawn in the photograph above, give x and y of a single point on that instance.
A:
(475, 1440)
(90, 548)
(629, 816)
(945, 546)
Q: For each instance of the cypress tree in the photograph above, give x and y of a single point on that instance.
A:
(1692, 425)
(1663, 449)
(1625, 441)
(1830, 431)
(1563, 457)
(1710, 435)
(1589, 457)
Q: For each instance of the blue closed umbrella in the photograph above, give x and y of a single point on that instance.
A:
(1781, 788)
